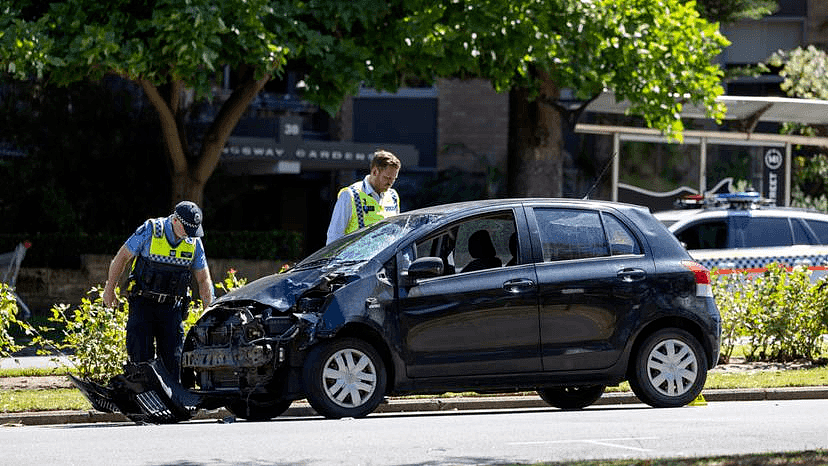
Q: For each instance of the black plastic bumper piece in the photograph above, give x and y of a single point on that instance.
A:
(144, 393)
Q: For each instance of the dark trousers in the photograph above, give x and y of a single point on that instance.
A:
(155, 329)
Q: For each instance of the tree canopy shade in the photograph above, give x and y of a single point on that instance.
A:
(655, 53)
(805, 75)
(658, 54)
(172, 49)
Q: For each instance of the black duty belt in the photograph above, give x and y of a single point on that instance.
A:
(158, 297)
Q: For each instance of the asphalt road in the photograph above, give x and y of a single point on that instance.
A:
(480, 437)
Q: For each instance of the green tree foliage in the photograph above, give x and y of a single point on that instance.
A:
(655, 53)
(805, 75)
(804, 72)
(173, 50)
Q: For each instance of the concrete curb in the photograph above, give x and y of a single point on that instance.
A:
(410, 405)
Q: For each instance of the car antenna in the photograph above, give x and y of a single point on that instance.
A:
(600, 176)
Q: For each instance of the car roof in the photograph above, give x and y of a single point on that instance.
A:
(730, 204)
(678, 219)
(511, 202)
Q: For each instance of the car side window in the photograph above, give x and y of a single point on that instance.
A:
(821, 230)
(711, 234)
(800, 232)
(571, 234)
(621, 239)
(762, 232)
(476, 244)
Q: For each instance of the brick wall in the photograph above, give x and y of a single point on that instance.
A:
(473, 125)
(817, 27)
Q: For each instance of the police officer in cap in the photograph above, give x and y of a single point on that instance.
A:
(164, 253)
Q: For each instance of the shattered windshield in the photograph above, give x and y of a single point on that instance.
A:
(366, 243)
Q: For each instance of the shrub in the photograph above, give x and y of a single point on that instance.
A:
(8, 321)
(778, 315)
(95, 337)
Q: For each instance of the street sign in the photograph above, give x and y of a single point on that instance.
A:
(289, 153)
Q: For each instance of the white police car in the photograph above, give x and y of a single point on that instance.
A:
(741, 231)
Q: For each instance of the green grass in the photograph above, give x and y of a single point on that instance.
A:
(798, 458)
(46, 400)
(812, 377)
(33, 372)
(16, 401)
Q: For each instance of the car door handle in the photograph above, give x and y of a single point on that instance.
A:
(518, 285)
(632, 275)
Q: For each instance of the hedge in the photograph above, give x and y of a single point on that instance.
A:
(62, 250)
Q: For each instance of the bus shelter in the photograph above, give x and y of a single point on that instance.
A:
(747, 111)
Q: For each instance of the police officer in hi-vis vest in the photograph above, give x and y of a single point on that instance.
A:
(167, 253)
(369, 200)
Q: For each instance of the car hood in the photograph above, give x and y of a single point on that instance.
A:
(280, 291)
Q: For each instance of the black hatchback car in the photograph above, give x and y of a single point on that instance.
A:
(560, 296)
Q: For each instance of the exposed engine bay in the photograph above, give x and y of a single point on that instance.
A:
(242, 349)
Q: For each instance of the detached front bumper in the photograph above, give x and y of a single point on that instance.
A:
(145, 393)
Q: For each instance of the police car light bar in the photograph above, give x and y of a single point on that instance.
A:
(737, 200)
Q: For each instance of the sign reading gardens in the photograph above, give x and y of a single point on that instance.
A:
(289, 153)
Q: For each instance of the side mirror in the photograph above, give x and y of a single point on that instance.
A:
(425, 267)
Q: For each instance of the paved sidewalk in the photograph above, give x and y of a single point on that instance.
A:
(403, 405)
(38, 362)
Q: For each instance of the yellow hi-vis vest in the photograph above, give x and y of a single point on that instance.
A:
(365, 210)
(166, 269)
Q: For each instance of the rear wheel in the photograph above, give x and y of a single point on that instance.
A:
(254, 409)
(571, 397)
(344, 378)
(670, 369)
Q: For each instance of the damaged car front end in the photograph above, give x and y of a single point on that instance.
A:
(248, 351)
(245, 352)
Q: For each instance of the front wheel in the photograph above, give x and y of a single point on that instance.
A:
(344, 378)
(670, 369)
(571, 397)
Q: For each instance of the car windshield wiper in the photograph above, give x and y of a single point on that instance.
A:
(313, 263)
(348, 261)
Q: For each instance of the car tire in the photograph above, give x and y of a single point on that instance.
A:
(258, 410)
(571, 398)
(670, 369)
(344, 378)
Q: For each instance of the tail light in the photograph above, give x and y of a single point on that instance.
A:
(703, 286)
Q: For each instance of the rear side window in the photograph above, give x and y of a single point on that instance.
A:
(761, 232)
(800, 232)
(711, 234)
(571, 234)
(821, 230)
(621, 239)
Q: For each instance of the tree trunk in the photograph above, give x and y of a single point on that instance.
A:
(535, 143)
(189, 175)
